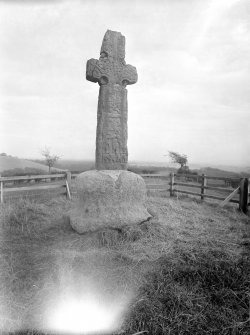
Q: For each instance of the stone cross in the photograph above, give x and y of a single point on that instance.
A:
(112, 74)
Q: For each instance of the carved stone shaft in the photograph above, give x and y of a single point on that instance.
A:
(111, 134)
(110, 198)
(113, 74)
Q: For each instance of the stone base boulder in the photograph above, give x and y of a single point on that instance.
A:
(108, 199)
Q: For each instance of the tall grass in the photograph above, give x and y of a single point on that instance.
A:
(202, 294)
(187, 269)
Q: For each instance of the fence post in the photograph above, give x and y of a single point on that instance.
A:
(68, 184)
(243, 201)
(203, 185)
(68, 177)
(171, 189)
(1, 190)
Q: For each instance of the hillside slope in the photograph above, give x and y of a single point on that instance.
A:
(218, 172)
(11, 163)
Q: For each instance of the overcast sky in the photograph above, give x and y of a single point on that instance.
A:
(193, 89)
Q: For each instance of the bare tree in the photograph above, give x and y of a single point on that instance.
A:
(179, 159)
(50, 159)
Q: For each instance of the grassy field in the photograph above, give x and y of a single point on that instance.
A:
(185, 271)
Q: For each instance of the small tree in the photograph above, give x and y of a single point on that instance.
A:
(179, 159)
(50, 160)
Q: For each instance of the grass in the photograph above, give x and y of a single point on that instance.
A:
(200, 295)
(186, 271)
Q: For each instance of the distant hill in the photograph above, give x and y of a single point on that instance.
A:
(10, 166)
(218, 173)
(225, 168)
(150, 169)
(210, 170)
(17, 166)
(75, 165)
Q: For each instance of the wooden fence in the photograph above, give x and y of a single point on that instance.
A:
(49, 182)
(174, 185)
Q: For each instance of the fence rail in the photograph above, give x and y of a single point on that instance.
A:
(63, 182)
(170, 183)
(33, 177)
(242, 190)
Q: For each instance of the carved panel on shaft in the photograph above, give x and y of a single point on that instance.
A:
(113, 74)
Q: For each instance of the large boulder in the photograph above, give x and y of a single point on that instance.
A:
(108, 199)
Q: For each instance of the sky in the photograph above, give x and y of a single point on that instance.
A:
(193, 89)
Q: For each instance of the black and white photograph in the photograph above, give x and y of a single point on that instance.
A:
(124, 167)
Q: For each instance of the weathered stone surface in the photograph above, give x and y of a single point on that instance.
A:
(113, 74)
(109, 199)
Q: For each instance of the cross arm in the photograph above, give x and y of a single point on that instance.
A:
(92, 70)
(97, 71)
(129, 75)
